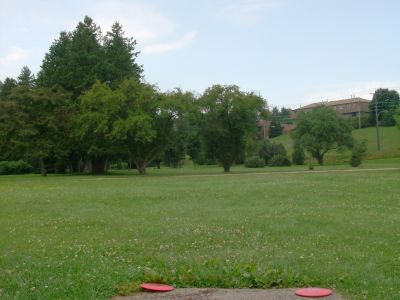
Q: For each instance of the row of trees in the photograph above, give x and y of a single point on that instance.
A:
(134, 122)
(89, 106)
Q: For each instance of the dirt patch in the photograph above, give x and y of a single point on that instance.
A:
(223, 294)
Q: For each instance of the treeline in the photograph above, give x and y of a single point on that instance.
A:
(89, 106)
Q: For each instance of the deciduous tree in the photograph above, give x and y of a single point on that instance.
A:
(229, 115)
(321, 130)
(386, 102)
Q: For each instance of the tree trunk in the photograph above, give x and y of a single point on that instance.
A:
(61, 167)
(140, 166)
(227, 167)
(99, 165)
(75, 165)
(320, 159)
(43, 170)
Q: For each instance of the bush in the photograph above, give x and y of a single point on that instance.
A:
(202, 159)
(358, 153)
(279, 160)
(365, 122)
(254, 162)
(269, 149)
(298, 155)
(14, 167)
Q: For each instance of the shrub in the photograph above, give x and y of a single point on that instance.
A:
(14, 167)
(269, 149)
(358, 153)
(202, 159)
(365, 122)
(254, 162)
(298, 155)
(279, 160)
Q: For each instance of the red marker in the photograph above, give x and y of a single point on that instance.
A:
(156, 287)
(313, 292)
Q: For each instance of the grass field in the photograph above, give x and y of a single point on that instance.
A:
(91, 237)
(390, 144)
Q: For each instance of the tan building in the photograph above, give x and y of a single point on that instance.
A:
(349, 108)
(352, 107)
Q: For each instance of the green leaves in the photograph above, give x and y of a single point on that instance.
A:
(385, 102)
(321, 130)
(228, 116)
(77, 59)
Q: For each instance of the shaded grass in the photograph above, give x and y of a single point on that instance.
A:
(86, 237)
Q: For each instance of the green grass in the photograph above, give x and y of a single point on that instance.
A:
(90, 237)
(390, 144)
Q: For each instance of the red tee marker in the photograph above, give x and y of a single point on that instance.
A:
(156, 287)
(313, 292)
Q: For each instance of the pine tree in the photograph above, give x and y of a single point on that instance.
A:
(74, 60)
(26, 78)
(56, 69)
(120, 57)
(7, 86)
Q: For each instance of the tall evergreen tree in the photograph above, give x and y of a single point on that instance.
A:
(75, 59)
(120, 57)
(86, 56)
(26, 78)
(56, 69)
(275, 126)
(8, 85)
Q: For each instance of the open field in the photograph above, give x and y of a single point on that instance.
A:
(390, 144)
(91, 237)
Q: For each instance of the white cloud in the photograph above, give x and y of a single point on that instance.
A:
(145, 22)
(245, 11)
(12, 62)
(16, 55)
(166, 47)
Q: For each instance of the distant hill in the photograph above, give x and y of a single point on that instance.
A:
(390, 144)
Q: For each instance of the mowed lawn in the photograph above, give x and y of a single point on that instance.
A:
(90, 237)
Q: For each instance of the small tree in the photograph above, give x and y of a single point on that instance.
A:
(275, 126)
(6, 87)
(298, 155)
(358, 153)
(26, 78)
(321, 130)
(397, 117)
(269, 149)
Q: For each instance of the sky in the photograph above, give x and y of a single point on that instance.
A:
(292, 52)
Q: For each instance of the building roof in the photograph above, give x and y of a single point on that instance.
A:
(333, 103)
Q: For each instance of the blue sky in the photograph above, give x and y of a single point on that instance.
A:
(293, 52)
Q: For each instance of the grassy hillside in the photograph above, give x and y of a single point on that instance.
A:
(390, 144)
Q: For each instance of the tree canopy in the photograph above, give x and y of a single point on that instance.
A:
(77, 59)
(385, 102)
(321, 130)
(228, 116)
